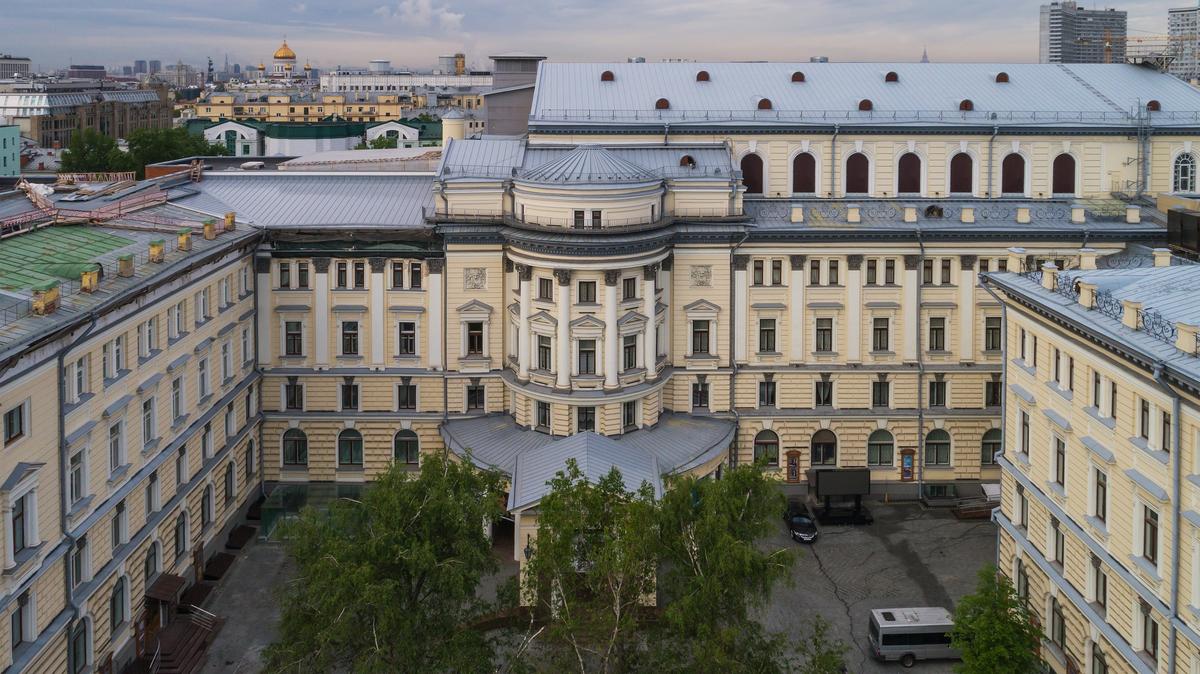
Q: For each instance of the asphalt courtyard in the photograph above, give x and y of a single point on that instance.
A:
(910, 556)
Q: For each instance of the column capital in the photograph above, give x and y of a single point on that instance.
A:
(854, 262)
(508, 265)
(563, 276)
(377, 264)
(524, 271)
(321, 265)
(967, 262)
(262, 265)
(740, 262)
(650, 270)
(796, 262)
(436, 264)
(611, 276)
(911, 262)
(667, 262)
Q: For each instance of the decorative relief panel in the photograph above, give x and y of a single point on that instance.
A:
(701, 275)
(474, 278)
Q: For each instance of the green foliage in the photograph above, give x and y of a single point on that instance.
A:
(426, 117)
(151, 146)
(593, 568)
(91, 151)
(993, 629)
(819, 653)
(379, 143)
(389, 583)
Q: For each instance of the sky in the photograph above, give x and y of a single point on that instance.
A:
(413, 33)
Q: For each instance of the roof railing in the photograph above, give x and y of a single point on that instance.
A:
(847, 115)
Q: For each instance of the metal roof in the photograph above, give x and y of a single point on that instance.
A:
(481, 158)
(293, 199)
(500, 157)
(924, 94)
(587, 164)
(595, 455)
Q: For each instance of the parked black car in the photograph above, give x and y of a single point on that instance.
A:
(800, 524)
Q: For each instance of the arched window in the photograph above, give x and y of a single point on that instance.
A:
(687, 160)
(1185, 173)
(1002, 78)
(1153, 106)
(206, 507)
(993, 443)
(824, 448)
(766, 448)
(804, 173)
(1063, 175)
(962, 173)
(662, 104)
(405, 448)
(81, 647)
(249, 460)
(797, 76)
(117, 605)
(350, 448)
(181, 535)
(858, 174)
(764, 104)
(230, 490)
(865, 105)
(295, 448)
(1012, 174)
(966, 105)
(702, 76)
(752, 173)
(891, 77)
(607, 76)
(937, 448)
(908, 174)
(880, 448)
(150, 564)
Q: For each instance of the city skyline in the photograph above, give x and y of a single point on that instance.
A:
(412, 33)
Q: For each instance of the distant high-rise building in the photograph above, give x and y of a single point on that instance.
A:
(155, 67)
(127, 71)
(1183, 26)
(455, 64)
(237, 69)
(1068, 34)
(12, 66)
(86, 71)
(139, 67)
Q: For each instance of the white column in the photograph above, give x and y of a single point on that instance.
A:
(262, 286)
(740, 308)
(854, 308)
(10, 555)
(649, 303)
(523, 338)
(379, 314)
(909, 308)
(796, 310)
(966, 308)
(436, 319)
(321, 310)
(563, 380)
(611, 348)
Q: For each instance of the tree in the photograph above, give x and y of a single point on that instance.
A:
(993, 629)
(388, 583)
(818, 652)
(379, 143)
(151, 146)
(91, 151)
(715, 571)
(592, 569)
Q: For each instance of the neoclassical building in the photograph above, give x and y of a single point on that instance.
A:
(680, 267)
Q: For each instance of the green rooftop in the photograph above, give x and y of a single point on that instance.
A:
(53, 253)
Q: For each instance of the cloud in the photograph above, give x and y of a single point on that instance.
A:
(422, 14)
(299, 8)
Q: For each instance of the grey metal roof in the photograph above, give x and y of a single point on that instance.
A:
(481, 157)
(14, 203)
(1037, 94)
(660, 160)
(587, 164)
(503, 157)
(595, 455)
(282, 200)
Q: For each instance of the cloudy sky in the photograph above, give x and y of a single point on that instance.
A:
(414, 32)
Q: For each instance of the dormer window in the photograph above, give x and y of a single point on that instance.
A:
(797, 76)
(865, 105)
(687, 161)
(764, 104)
(966, 105)
(891, 77)
(702, 76)
(1002, 78)
(662, 104)
(1153, 106)
(607, 76)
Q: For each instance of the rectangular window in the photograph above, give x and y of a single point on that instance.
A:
(397, 275)
(587, 356)
(226, 361)
(341, 275)
(991, 333)
(1149, 634)
(406, 339)
(824, 340)
(1096, 390)
(293, 339)
(414, 276)
(1144, 419)
(629, 351)
(629, 288)
(586, 292)
(937, 393)
(14, 424)
(992, 393)
(148, 433)
(285, 275)
(927, 272)
(1100, 496)
(872, 272)
(1150, 535)
(880, 391)
(1060, 462)
(699, 337)
(833, 272)
(596, 219)
(814, 273)
(475, 397)
(766, 335)
(543, 414)
(580, 219)
(545, 289)
(202, 377)
(758, 272)
(937, 334)
(349, 396)
(1099, 583)
(76, 478)
(206, 442)
(880, 451)
(1024, 448)
(181, 469)
(475, 339)
(350, 338)
(118, 526)
(629, 415)
(823, 393)
(880, 340)
(766, 394)
(544, 353)
(1165, 429)
(889, 272)
(293, 395)
(945, 271)
(302, 275)
(19, 531)
(699, 394)
(1112, 400)
(776, 272)
(1021, 342)
(585, 419)
(360, 274)
(116, 446)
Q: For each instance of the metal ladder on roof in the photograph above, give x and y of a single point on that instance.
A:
(1086, 85)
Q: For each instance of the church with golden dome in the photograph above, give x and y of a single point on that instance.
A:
(284, 66)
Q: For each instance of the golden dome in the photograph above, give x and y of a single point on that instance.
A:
(307, 66)
(284, 52)
(262, 66)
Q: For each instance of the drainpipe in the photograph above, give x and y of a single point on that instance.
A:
(445, 356)
(920, 457)
(737, 418)
(1176, 470)
(983, 283)
(991, 169)
(262, 483)
(833, 160)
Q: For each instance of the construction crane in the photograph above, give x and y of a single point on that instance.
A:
(1157, 50)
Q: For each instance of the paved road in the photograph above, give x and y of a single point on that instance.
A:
(911, 556)
(247, 600)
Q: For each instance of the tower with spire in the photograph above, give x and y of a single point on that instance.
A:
(924, 55)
